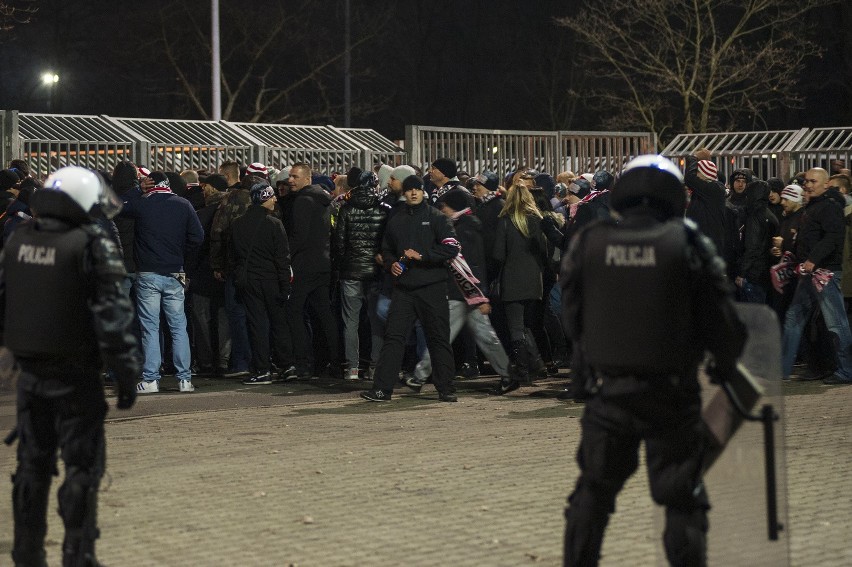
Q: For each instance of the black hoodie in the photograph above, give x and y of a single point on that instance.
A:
(823, 231)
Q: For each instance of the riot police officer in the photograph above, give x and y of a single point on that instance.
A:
(643, 297)
(63, 316)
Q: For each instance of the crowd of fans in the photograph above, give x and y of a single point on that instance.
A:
(275, 275)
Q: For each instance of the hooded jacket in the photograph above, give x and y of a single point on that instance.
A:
(357, 236)
(759, 228)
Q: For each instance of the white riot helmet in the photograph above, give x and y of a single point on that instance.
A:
(83, 188)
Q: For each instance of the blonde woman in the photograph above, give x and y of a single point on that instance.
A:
(521, 250)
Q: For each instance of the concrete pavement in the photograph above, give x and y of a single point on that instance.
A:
(308, 474)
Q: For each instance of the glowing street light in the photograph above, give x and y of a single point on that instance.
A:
(49, 78)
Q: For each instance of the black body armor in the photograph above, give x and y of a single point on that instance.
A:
(636, 300)
(44, 275)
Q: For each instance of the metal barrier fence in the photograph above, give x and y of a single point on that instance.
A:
(51, 141)
(772, 153)
(503, 151)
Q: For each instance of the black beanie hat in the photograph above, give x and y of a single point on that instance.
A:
(411, 182)
(457, 199)
(8, 179)
(352, 177)
(446, 166)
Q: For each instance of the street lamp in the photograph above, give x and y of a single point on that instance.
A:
(49, 79)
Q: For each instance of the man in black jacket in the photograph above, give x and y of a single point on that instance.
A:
(819, 245)
(416, 246)
(707, 197)
(752, 280)
(308, 225)
(357, 239)
(260, 255)
(468, 305)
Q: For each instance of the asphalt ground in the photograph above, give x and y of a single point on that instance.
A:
(307, 473)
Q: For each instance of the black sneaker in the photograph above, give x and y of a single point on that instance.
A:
(835, 380)
(288, 374)
(265, 378)
(414, 383)
(467, 371)
(376, 396)
(235, 373)
(505, 386)
(447, 397)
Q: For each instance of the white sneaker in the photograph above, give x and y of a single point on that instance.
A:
(352, 374)
(148, 387)
(186, 386)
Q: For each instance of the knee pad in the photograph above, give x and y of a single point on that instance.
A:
(78, 497)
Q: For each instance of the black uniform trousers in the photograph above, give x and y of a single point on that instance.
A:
(60, 407)
(428, 304)
(617, 418)
(312, 290)
(266, 320)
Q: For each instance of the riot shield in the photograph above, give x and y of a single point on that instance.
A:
(746, 469)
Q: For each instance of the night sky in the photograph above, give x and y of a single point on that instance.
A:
(463, 63)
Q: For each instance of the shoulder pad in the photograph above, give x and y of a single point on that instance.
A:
(106, 259)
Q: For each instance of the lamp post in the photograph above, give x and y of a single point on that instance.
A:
(49, 80)
(216, 62)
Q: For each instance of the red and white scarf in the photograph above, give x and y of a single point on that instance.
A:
(460, 270)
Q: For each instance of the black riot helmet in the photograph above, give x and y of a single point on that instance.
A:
(76, 194)
(652, 180)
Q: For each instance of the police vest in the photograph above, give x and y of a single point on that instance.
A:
(636, 304)
(47, 293)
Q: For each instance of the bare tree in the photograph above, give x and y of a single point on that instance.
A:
(673, 66)
(271, 61)
(15, 13)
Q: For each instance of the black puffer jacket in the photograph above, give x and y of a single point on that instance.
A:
(358, 235)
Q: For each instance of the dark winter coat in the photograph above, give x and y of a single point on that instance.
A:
(489, 213)
(469, 233)
(822, 232)
(759, 228)
(258, 242)
(308, 224)
(425, 229)
(357, 236)
(200, 272)
(707, 204)
(167, 230)
(522, 259)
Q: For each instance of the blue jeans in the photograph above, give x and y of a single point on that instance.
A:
(830, 302)
(153, 293)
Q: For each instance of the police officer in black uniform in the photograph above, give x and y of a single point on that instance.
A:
(63, 316)
(643, 297)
